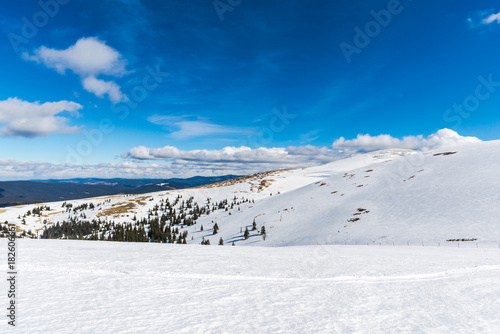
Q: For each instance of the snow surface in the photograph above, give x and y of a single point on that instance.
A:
(406, 196)
(315, 285)
(107, 287)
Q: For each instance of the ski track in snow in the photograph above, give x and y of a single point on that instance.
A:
(455, 273)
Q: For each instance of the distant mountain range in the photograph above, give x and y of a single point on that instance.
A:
(38, 191)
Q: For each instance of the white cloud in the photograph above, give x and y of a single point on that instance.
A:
(11, 169)
(183, 127)
(34, 119)
(246, 160)
(483, 17)
(366, 143)
(169, 161)
(100, 87)
(238, 160)
(445, 138)
(492, 18)
(89, 57)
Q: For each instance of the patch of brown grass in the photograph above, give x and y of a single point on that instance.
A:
(117, 209)
(246, 179)
(52, 213)
(3, 210)
(141, 200)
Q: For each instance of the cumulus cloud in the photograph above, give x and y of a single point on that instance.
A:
(89, 57)
(183, 127)
(240, 160)
(34, 119)
(445, 138)
(246, 160)
(366, 143)
(100, 87)
(170, 161)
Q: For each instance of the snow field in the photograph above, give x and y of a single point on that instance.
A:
(106, 287)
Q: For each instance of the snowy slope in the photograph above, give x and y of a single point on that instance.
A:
(109, 287)
(391, 196)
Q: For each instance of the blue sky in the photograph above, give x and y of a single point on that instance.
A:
(178, 88)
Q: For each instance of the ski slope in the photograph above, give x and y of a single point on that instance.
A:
(107, 287)
(390, 197)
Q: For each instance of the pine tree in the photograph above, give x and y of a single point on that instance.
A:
(216, 228)
(221, 242)
(254, 226)
(247, 234)
(263, 232)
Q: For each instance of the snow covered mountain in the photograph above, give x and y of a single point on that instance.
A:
(390, 196)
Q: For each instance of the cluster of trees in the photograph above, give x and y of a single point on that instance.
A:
(4, 231)
(164, 223)
(37, 211)
(141, 231)
(246, 234)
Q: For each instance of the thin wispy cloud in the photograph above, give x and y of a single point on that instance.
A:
(483, 18)
(89, 58)
(185, 127)
(15, 170)
(493, 18)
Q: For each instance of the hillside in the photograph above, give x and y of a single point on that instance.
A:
(391, 196)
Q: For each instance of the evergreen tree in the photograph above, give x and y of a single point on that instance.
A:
(254, 226)
(221, 242)
(263, 232)
(216, 228)
(246, 235)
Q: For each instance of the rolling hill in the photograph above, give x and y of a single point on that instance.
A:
(390, 196)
